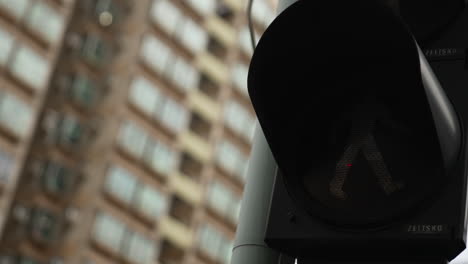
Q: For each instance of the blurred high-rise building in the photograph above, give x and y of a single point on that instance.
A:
(125, 129)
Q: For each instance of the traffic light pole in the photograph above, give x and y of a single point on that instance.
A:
(249, 246)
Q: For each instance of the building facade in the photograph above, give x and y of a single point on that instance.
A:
(125, 129)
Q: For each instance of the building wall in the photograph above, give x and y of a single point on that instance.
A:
(137, 134)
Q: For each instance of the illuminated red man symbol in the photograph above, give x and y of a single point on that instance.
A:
(363, 140)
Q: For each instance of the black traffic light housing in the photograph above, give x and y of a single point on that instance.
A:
(366, 167)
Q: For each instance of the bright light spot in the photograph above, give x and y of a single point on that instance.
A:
(106, 19)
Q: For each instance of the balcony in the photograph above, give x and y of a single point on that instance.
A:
(213, 67)
(67, 131)
(225, 12)
(55, 179)
(92, 49)
(216, 48)
(81, 90)
(203, 8)
(221, 30)
(41, 226)
(181, 210)
(190, 167)
(96, 51)
(209, 109)
(236, 5)
(208, 87)
(176, 232)
(186, 188)
(45, 227)
(200, 126)
(196, 146)
(170, 253)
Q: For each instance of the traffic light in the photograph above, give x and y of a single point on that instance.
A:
(368, 136)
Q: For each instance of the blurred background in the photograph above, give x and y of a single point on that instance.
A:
(125, 129)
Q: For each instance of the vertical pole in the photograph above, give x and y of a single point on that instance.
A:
(249, 245)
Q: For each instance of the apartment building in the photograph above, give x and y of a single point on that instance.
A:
(125, 129)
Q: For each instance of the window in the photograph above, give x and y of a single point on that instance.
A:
(133, 139)
(161, 159)
(155, 154)
(192, 36)
(184, 75)
(148, 98)
(166, 14)
(162, 60)
(15, 115)
(66, 130)
(205, 7)
(174, 115)
(239, 75)
(214, 243)
(262, 13)
(245, 41)
(114, 234)
(84, 91)
(57, 179)
(6, 46)
(16, 8)
(174, 23)
(239, 119)
(121, 184)
(95, 51)
(125, 186)
(223, 200)
(45, 21)
(6, 165)
(226, 252)
(150, 202)
(231, 159)
(234, 115)
(71, 131)
(144, 95)
(45, 225)
(156, 54)
(140, 250)
(227, 156)
(30, 67)
(108, 231)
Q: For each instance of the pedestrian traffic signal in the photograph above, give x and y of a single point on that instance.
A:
(369, 145)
